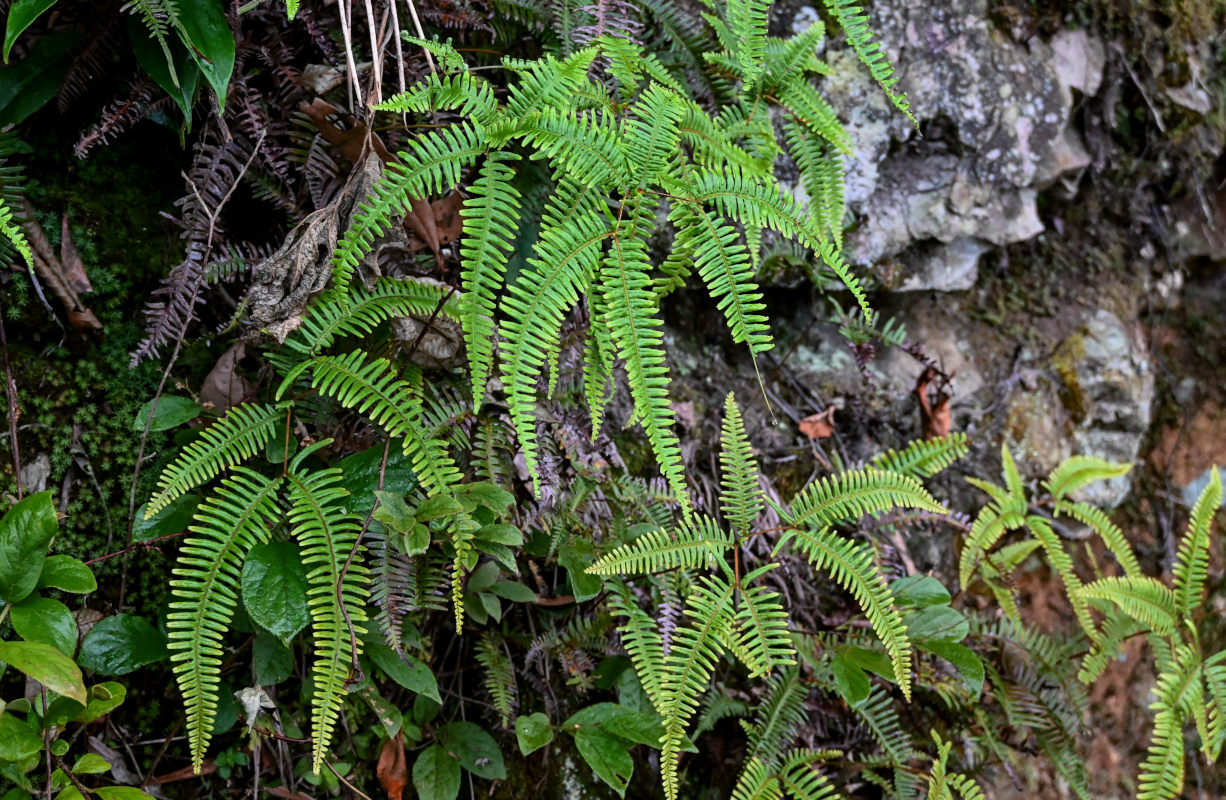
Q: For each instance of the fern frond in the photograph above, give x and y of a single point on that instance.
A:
(336, 593)
(1107, 530)
(850, 495)
(757, 781)
(781, 714)
(651, 135)
(741, 497)
(635, 328)
(1063, 564)
(567, 257)
(499, 677)
(746, 21)
(759, 636)
(993, 521)
(641, 637)
(547, 83)
(1143, 598)
(239, 435)
(1162, 772)
(235, 518)
(358, 311)
(881, 718)
(491, 219)
(924, 458)
(812, 111)
(465, 93)
(695, 544)
(688, 667)
(1192, 560)
(585, 147)
(429, 165)
(801, 777)
(1116, 629)
(854, 23)
(1214, 673)
(851, 565)
(1078, 471)
(821, 173)
(11, 231)
(795, 55)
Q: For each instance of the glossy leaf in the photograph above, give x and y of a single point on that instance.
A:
(170, 412)
(475, 748)
(47, 665)
(21, 15)
(212, 42)
(274, 588)
(436, 775)
(607, 755)
(42, 619)
(67, 574)
(25, 533)
(533, 732)
(405, 670)
(120, 644)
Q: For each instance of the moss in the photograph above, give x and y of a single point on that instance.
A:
(1064, 362)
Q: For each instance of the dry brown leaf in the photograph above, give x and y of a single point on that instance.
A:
(819, 425)
(51, 271)
(392, 771)
(223, 387)
(285, 794)
(70, 260)
(931, 389)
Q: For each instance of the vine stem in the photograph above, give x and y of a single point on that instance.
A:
(10, 391)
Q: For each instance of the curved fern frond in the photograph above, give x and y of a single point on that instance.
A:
(336, 593)
(1142, 598)
(1116, 629)
(237, 436)
(466, 94)
(801, 777)
(924, 458)
(781, 714)
(651, 136)
(850, 495)
(746, 21)
(795, 55)
(1162, 772)
(1107, 530)
(359, 310)
(635, 328)
(428, 166)
(688, 667)
(759, 635)
(1063, 564)
(640, 636)
(854, 23)
(1192, 560)
(1077, 472)
(993, 522)
(695, 544)
(806, 105)
(567, 258)
(491, 219)
(235, 518)
(11, 231)
(851, 565)
(583, 146)
(1214, 673)
(757, 781)
(547, 83)
(741, 497)
(499, 677)
(821, 173)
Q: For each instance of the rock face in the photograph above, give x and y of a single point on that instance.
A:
(996, 117)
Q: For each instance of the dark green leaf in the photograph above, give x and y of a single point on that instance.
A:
(964, 660)
(360, 475)
(501, 534)
(514, 591)
(436, 775)
(275, 589)
(486, 494)
(25, 533)
(533, 732)
(851, 680)
(483, 577)
(273, 661)
(48, 666)
(404, 670)
(937, 623)
(29, 84)
(41, 619)
(174, 518)
(120, 644)
(393, 512)
(67, 574)
(211, 41)
(121, 793)
(21, 15)
(103, 699)
(18, 741)
(153, 60)
(870, 660)
(576, 555)
(417, 540)
(607, 755)
(91, 764)
(920, 591)
(475, 748)
(437, 507)
(171, 412)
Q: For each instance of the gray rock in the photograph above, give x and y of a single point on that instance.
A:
(999, 131)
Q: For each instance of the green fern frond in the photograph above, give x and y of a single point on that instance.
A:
(924, 458)
(567, 258)
(795, 55)
(1214, 673)
(1063, 564)
(992, 522)
(1162, 772)
(466, 94)
(757, 781)
(499, 677)
(781, 714)
(449, 59)
(291, 9)
(11, 231)
(640, 636)
(585, 147)
(812, 111)
(429, 165)
(1142, 598)
(239, 435)
(1079, 471)
(850, 495)
(821, 173)
(359, 310)
(1107, 530)
(597, 368)
(651, 135)
(746, 21)
(759, 635)
(336, 593)
(1115, 630)
(689, 546)
(635, 328)
(235, 518)
(1192, 560)
(881, 717)
(854, 23)
(1013, 478)
(741, 497)
(688, 667)
(491, 220)
(547, 83)
(851, 565)
(713, 145)
(801, 777)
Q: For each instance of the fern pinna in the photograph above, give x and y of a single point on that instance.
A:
(728, 610)
(1189, 680)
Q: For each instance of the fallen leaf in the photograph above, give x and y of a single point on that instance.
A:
(223, 387)
(392, 772)
(819, 425)
(186, 773)
(285, 794)
(70, 260)
(931, 389)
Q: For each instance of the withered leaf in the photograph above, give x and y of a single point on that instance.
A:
(931, 389)
(223, 387)
(392, 771)
(819, 425)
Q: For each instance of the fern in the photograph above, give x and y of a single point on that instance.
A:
(499, 677)
(855, 27)
(759, 634)
(338, 313)
(688, 546)
(741, 496)
(1192, 560)
(1143, 598)
(923, 458)
(781, 713)
(11, 231)
(851, 565)
(856, 493)
(237, 516)
(242, 433)
(1162, 772)
(1079, 471)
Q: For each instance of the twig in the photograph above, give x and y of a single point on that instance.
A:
(147, 544)
(420, 35)
(341, 778)
(10, 390)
